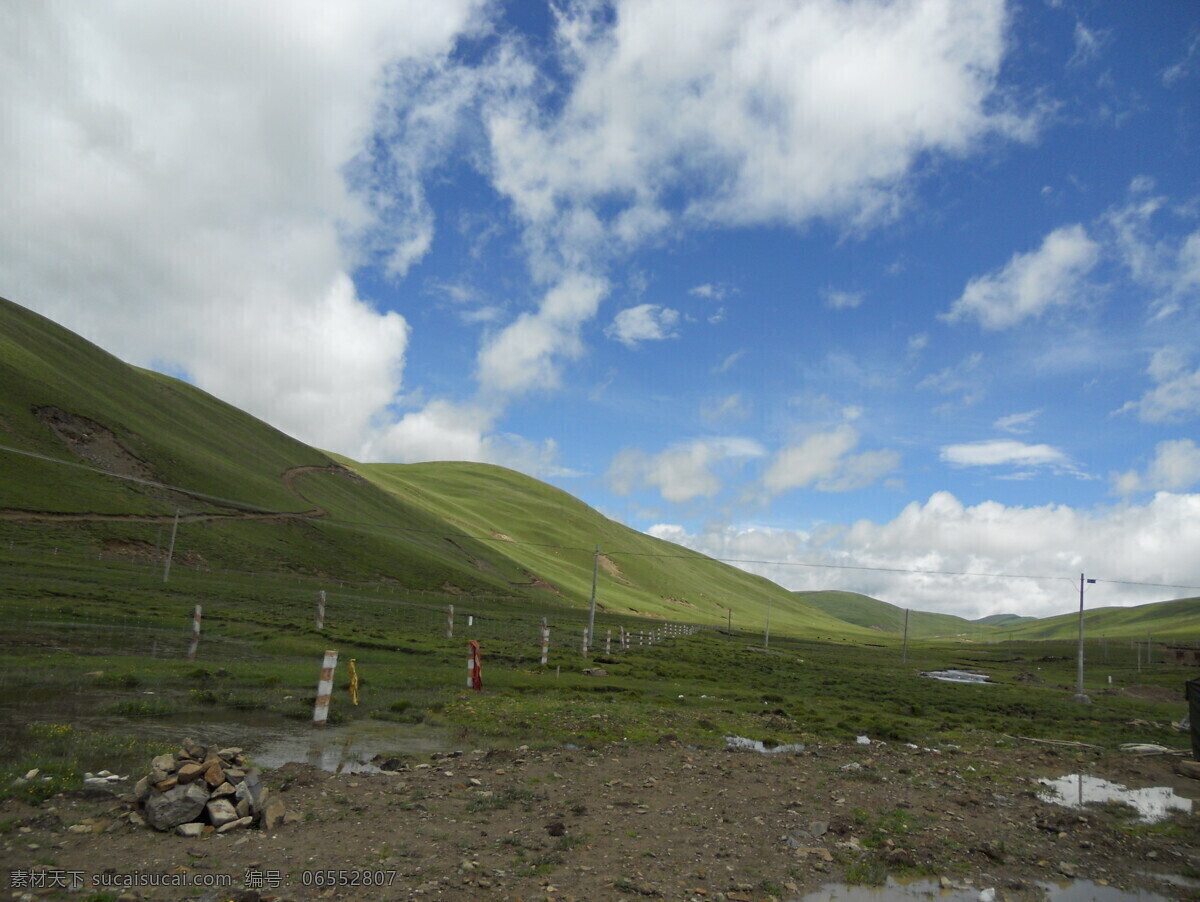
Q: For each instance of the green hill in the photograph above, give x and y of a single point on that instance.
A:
(862, 610)
(1003, 620)
(96, 457)
(1162, 620)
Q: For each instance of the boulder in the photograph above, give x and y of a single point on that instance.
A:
(273, 813)
(221, 812)
(176, 806)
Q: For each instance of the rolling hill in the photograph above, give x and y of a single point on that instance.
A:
(862, 610)
(97, 457)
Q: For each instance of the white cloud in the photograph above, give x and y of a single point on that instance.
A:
(842, 300)
(1089, 44)
(728, 407)
(1003, 452)
(1018, 423)
(526, 354)
(1175, 467)
(645, 322)
(445, 430)
(713, 291)
(768, 112)
(1030, 284)
(727, 362)
(824, 460)
(1176, 396)
(681, 472)
(1149, 543)
(173, 187)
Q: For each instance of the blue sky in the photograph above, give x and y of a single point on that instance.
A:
(908, 286)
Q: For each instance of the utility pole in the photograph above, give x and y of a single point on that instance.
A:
(1080, 695)
(171, 550)
(592, 610)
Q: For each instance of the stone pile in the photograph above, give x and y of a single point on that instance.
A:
(200, 790)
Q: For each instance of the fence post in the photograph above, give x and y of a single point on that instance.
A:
(474, 666)
(585, 641)
(195, 635)
(321, 610)
(324, 689)
(450, 621)
(545, 642)
(608, 643)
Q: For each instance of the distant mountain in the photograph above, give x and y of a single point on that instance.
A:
(863, 610)
(1002, 620)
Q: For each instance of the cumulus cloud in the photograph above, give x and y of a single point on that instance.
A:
(824, 461)
(174, 188)
(1142, 543)
(528, 353)
(1176, 394)
(645, 322)
(681, 472)
(1175, 467)
(772, 112)
(446, 430)
(1031, 283)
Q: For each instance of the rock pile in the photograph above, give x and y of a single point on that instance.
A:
(200, 790)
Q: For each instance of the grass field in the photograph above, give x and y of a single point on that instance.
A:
(103, 467)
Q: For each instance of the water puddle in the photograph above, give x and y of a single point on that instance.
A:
(896, 891)
(742, 744)
(272, 740)
(955, 676)
(1076, 790)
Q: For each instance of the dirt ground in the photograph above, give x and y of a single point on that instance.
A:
(664, 822)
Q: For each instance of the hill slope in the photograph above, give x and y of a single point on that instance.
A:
(1160, 620)
(97, 455)
(880, 616)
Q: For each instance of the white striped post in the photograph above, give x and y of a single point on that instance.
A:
(585, 641)
(545, 642)
(623, 642)
(195, 635)
(470, 667)
(608, 643)
(325, 689)
(450, 621)
(321, 610)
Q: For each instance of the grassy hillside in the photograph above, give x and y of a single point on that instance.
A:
(1162, 620)
(880, 616)
(251, 498)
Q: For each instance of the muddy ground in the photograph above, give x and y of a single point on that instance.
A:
(663, 822)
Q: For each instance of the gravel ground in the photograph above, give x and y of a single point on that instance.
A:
(660, 822)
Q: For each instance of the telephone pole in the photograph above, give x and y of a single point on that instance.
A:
(1080, 695)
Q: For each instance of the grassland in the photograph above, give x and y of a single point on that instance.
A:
(97, 459)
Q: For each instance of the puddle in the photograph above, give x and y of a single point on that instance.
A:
(955, 676)
(742, 744)
(272, 740)
(1076, 790)
(896, 891)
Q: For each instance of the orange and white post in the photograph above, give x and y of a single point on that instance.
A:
(474, 666)
(325, 689)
